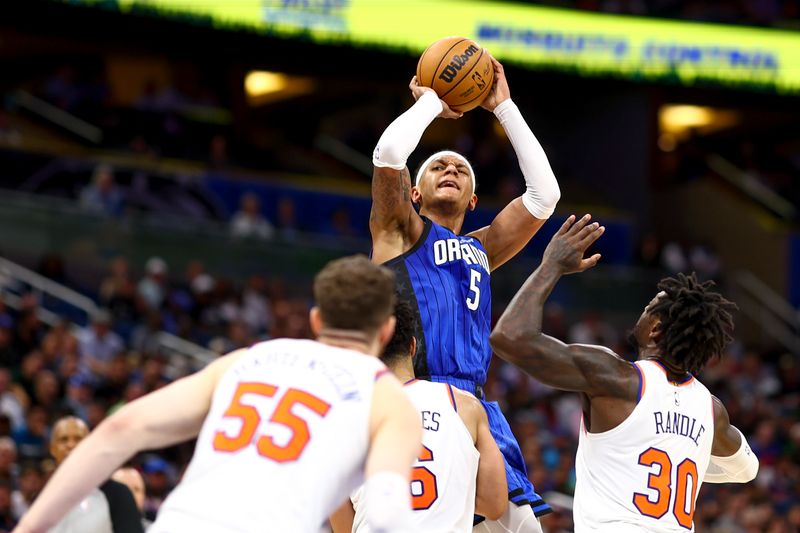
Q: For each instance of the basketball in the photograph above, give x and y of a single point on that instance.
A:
(459, 70)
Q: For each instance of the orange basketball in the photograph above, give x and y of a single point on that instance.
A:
(459, 70)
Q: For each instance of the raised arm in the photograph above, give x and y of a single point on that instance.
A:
(518, 337)
(519, 221)
(393, 222)
(491, 489)
(732, 460)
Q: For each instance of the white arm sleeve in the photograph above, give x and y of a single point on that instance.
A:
(740, 467)
(542, 192)
(403, 135)
(387, 503)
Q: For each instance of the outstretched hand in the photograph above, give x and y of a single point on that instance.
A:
(500, 91)
(418, 90)
(570, 242)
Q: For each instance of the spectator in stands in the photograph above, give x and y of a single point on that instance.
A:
(152, 288)
(8, 355)
(31, 481)
(256, 310)
(7, 521)
(340, 224)
(31, 440)
(111, 507)
(158, 483)
(118, 291)
(10, 402)
(288, 227)
(98, 345)
(9, 469)
(249, 222)
(131, 478)
(102, 196)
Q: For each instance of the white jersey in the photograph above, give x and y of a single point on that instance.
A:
(644, 475)
(444, 476)
(285, 439)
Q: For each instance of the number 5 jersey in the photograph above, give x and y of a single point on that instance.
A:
(644, 475)
(284, 441)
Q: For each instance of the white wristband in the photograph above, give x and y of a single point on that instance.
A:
(387, 503)
(403, 135)
(740, 467)
(542, 192)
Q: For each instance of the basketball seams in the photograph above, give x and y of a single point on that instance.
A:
(445, 56)
(457, 83)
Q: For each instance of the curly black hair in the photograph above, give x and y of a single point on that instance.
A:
(696, 322)
(400, 344)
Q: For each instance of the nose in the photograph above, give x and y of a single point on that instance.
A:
(451, 169)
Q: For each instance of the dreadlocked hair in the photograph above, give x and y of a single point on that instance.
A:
(696, 322)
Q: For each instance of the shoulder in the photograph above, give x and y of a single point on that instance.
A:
(468, 406)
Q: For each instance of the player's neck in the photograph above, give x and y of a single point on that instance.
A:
(348, 340)
(451, 221)
(403, 370)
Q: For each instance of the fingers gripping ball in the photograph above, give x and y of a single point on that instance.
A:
(459, 70)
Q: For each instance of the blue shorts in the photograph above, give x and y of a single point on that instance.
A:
(520, 489)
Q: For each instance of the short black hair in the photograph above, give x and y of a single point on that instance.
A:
(696, 322)
(400, 344)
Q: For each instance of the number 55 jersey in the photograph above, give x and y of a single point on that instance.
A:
(285, 438)
(644, 475)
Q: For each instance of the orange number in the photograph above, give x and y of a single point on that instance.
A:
(661, 483)
(686, 469)
(300, 435)
(429, 492)
(248, 415)
(283, 415)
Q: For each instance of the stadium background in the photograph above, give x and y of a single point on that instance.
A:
(178, 179)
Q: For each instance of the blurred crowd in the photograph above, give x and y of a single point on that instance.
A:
(47, 372)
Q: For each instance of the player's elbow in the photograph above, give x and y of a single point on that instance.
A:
(502, 341)
(751, 471)
(513, 346)
(493, 506)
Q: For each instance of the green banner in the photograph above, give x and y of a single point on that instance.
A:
(532, 36)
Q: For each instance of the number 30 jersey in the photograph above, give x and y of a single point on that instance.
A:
(644, 475)
(443, 480)
(285, 438)
(445, 277)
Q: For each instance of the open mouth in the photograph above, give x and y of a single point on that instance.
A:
(449, 184)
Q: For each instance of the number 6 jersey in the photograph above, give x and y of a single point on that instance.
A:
(443, 480)
(284, 441)
(644, 474)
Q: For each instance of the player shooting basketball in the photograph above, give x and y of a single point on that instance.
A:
(651, 433)
(445, 275)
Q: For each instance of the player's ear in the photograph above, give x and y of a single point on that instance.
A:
(315, 320)
(412, 348)
(416, 195)
(386, 331)
(655, 332)
(473, 202)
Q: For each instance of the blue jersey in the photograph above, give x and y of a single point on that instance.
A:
(445, 277)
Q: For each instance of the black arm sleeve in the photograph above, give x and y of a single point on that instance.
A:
(125, 516)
